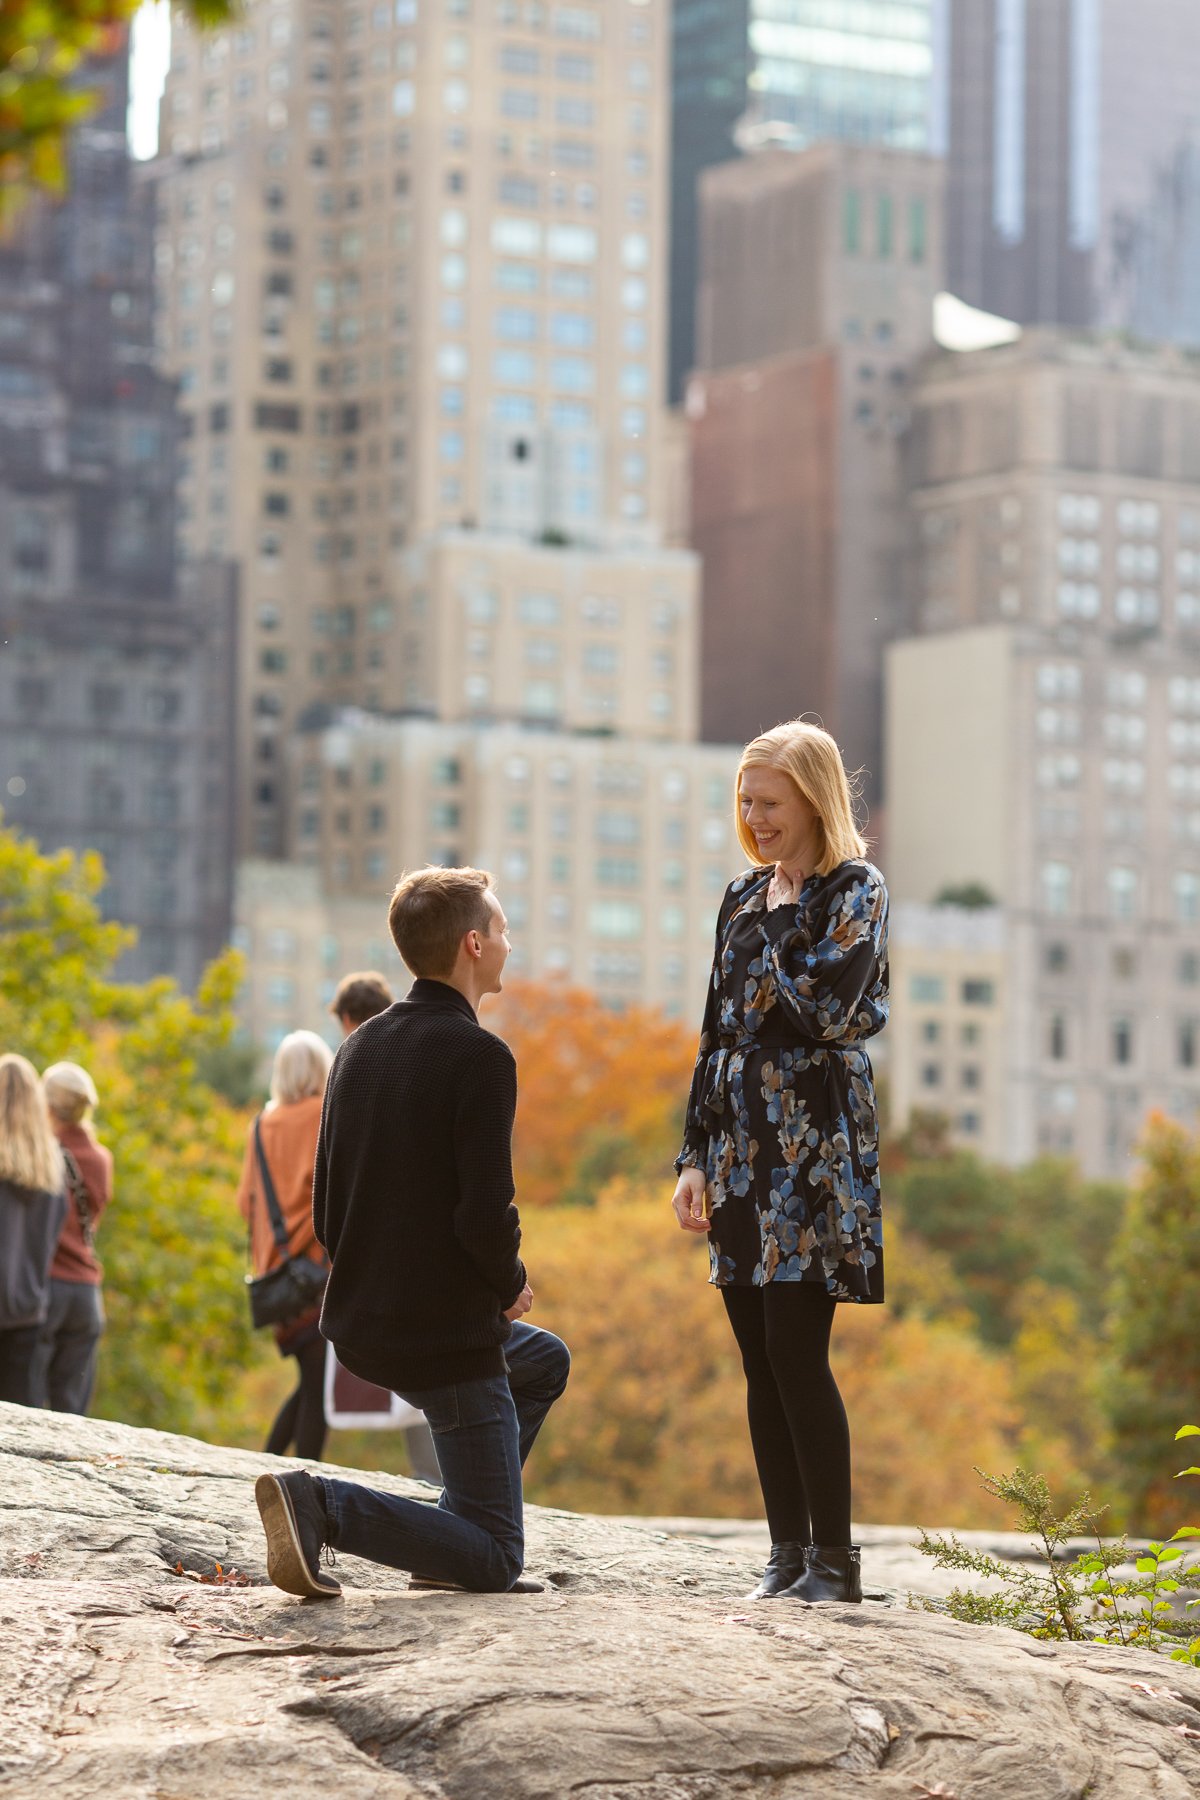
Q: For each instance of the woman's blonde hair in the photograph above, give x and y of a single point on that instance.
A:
(301, 1067)
(70, 1093)
(29, 1152)
(809, 756)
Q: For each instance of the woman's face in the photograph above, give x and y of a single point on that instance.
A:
(781, 820)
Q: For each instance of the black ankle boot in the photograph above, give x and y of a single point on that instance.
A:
(785, 1565)
(829, 1574)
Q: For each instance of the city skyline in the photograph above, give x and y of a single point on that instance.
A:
(414, 294)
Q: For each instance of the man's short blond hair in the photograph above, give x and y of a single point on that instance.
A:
(432, 911)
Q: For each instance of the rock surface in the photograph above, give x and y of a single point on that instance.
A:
(642, 1676)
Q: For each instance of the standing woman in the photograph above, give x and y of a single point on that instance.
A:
(780, 1162)
(287, 1132)
(33, 1204)
(65, 1366)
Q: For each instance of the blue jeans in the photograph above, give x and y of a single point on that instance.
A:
(482, 1432)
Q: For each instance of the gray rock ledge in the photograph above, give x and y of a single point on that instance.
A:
(643, 1675)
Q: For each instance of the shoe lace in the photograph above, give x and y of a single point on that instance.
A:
(328, 1557)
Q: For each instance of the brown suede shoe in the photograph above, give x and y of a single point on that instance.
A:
(293, 1516)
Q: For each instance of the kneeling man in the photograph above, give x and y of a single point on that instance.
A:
(413, 1199)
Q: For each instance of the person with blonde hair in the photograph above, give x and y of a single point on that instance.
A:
(280, 1155)
(33, 1204)
(780, 1160)
(64, 1368)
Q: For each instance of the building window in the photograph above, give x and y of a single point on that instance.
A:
(929, 989)
(851, 221)
(883, 225)
(1122, 893)
(1057, 884)
(1187, 897)
(1122, 1041)
(615, 919)
(916, 231)
(1058, 1037)
(1185, 1043)
(976, 992)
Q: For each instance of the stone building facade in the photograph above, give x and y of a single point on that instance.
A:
(1044, 726)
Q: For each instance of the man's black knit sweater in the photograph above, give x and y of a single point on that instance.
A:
(413, 1194)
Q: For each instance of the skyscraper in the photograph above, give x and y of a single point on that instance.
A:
(413, 268)
(115, 725)
(750, 73)
(816, 300)
(1072, 176)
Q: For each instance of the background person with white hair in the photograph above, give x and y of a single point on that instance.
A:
(288, 1129)
(64, 1364)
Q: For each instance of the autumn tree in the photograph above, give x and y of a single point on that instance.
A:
(44, 91)
(172, 1241)
(1154, 1372)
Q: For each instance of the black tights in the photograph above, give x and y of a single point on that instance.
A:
(302, 1415)
(797, 1421)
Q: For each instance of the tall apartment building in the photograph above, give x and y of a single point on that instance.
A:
(115, 726)
(751, 73)
(1072, 175)
(413, 285)
(815, 304)
(1044, 727)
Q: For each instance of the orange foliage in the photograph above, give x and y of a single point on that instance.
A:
(601, 1093)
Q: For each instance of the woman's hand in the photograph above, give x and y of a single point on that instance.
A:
(689, 1201)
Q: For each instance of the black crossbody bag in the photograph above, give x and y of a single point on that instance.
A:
(293, 1285)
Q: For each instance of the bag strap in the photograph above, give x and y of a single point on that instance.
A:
(277, 1225)
(79, 1194)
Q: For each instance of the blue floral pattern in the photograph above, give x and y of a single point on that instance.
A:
(781, 1115)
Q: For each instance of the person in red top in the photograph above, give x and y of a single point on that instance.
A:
(289, 1127)
(64, 1364)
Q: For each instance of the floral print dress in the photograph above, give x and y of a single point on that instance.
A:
(781, 1116)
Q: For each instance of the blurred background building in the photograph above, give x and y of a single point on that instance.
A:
(115, 702)
(1044, 720)
(818, 275)
(749, 74)
(1072, 168)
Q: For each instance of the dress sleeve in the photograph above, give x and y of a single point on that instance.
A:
(832, 975)
(694, 1154)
